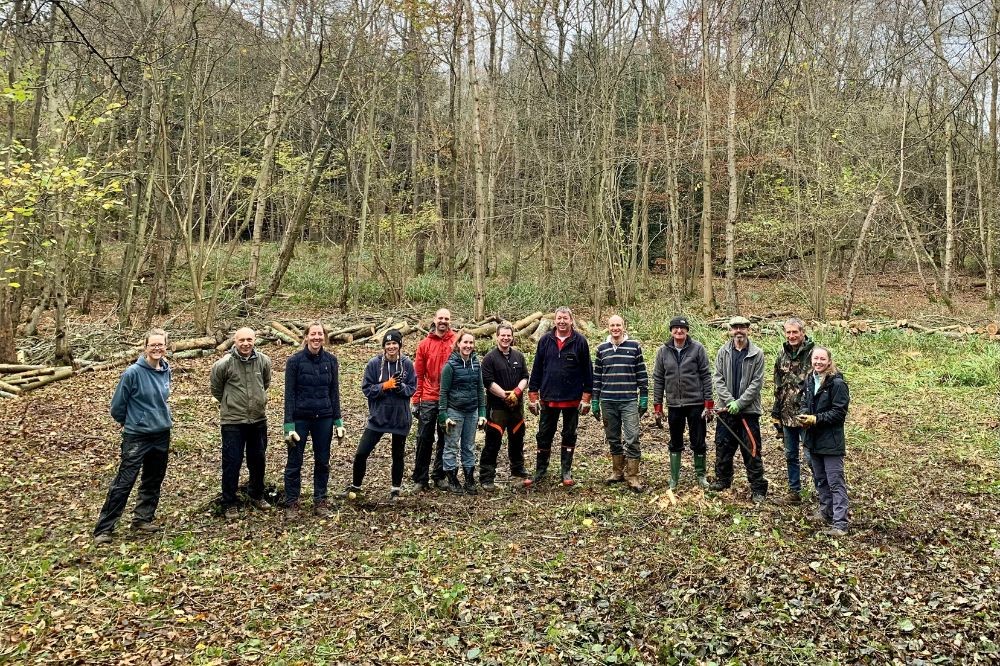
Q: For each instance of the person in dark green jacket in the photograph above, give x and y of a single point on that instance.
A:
(825, 401)
(462, 408)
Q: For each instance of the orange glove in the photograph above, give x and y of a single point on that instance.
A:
(389, 384)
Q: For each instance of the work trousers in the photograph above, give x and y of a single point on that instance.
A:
(145, 453)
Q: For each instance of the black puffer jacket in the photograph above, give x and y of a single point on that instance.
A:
(829, 404)
(312, 386)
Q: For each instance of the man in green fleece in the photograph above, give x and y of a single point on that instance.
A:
(239, 382)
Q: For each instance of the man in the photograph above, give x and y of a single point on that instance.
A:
(140, 406)
(432, 353)
(505, 376)
(790, 370)
(560, 384)
(239, 382)
(682, 377)
(738, 379)
(620, 373)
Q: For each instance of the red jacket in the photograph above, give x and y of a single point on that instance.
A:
(432, 354)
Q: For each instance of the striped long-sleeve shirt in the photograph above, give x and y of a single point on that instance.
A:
(620, 371)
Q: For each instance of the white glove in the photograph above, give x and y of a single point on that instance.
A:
(481, 423)
(340, 432)
(449, 424)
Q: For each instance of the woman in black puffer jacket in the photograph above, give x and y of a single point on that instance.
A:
(825, 401)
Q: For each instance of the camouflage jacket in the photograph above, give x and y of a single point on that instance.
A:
(790, 370)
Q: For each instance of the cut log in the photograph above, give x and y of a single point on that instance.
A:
(486, 330)
(9, 388)
(544, 326)
(527, 330)
(992, 328)
(284, 337)
(7, 368)
(225, 344)
(355, 330)
(60, 374)
(286, 332)
(193, 353)
(28, 374)
(530, 319)
(342, 338)
(193, 343)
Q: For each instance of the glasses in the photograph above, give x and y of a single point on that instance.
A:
(156, 346)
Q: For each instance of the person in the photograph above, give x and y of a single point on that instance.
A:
(239, 382)
(462, 409)
(738, 379)
(388, 383)
(682, 379)
(790, 369)
(431, 355)
(140, 406)
(825, 401)
(312, 408)
(505, 377)
(619, 375)
(560, 385)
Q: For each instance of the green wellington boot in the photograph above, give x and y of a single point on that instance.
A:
(699, 471)
(675, 470)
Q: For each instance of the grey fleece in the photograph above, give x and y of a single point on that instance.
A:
(751, 379)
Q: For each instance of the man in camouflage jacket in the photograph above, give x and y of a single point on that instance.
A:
(790, 370)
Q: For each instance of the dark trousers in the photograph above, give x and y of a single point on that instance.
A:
(500, 421)
(548, 421)
(146, 453)
(689, 415)
(322, 434)
(745, 436)
(239, 439)
(427, 429)
(365, 447)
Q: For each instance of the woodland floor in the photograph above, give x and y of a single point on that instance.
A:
(595, 575)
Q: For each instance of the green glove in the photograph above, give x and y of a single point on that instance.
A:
(442, 417)
(291, 437)
(733, 407)
(595, 409)
(289, 429)
(643, 405)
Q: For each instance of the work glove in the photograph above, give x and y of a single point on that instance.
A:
(733, 407)
(291, 437)
(643, 405)
(779, 431)
(807, 420)
(481, 423)
(658, 415)
(584, 408)
(339, 431)
(595, 409)
(708, 413)
(510, 399)
(414, 409)
(449, 425)
(389, 384)
(399, 377)
(533, 403)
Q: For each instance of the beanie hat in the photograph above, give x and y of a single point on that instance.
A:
(392, 335)
(679, 322)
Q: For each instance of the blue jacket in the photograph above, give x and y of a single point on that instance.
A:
(312, 386)
(389, 411)
(462, 385)
(140, 400)
(562, 375)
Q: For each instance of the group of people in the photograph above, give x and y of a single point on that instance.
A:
(452, 393)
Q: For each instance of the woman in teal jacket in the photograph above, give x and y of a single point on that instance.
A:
(462, 408)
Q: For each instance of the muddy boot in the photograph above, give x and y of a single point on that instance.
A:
(487, 475)
(699, 471)
(541, 468)
(470, 481)
(632, 478)
(617, 469)
(675, 470)
(566, 467)
(453, 485)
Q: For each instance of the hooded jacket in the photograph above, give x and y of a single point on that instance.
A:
(140, 399)
(751, 377)
(240, 385)
(389, 411)
(681, 377)
(829, 403)
(431, 355)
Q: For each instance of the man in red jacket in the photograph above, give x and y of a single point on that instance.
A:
(432, 353)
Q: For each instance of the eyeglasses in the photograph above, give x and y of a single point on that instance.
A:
(156, 346)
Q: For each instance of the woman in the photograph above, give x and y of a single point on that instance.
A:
(462, 408)
(312, 407)
(825, 400)
(389, 383)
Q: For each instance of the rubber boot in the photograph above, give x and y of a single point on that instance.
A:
(566, 467)
(675, 470)
(470, 481)
(699, 471)
(632, 478)
(617, 470)
(453, 485)
(541, 468)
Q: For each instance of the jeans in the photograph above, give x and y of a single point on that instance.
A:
(322, 434)
(548, 421)
(140, 452)
(427, 428)
(742, 432)
(239, 439)
(621, 421)
(499, 420)
(793, 438)
(461, 439)
(690, 415)
(828, 475)
(365, 447)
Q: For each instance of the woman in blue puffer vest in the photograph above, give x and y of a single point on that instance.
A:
(461, 409)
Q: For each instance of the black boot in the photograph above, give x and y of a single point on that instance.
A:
(470, 481)
(566, 467)
(453, 485)
(541, 467)
(487, 475)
